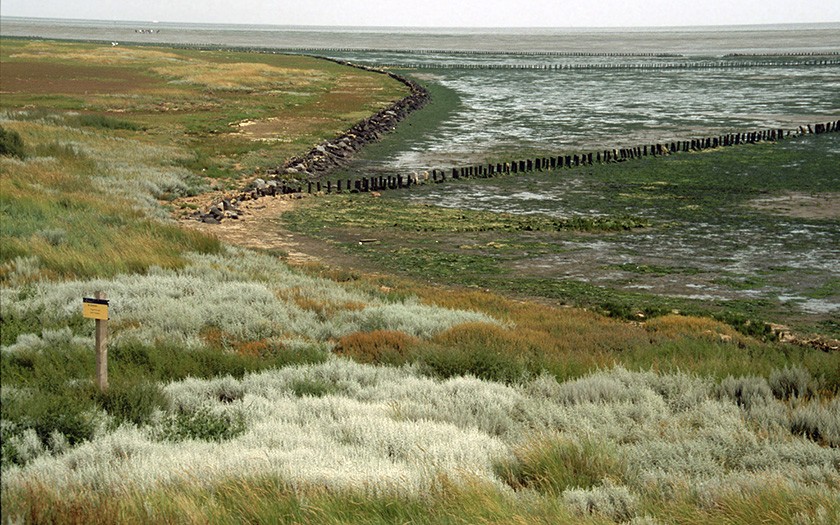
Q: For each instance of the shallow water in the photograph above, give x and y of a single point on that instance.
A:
(564, 111)
(729, 252)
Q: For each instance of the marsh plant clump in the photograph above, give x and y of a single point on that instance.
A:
(11, 145)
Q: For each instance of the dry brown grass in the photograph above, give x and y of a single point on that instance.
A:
(227, 342)
(323, 308)
(380, 346)
(677, 326)
(79, 79)
(238, 76)
(94, 54)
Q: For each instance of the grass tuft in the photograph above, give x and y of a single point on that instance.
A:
(552, 465)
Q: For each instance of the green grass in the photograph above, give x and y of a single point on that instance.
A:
(654, 269)
(553, 465)
(103, 122)
(272, 500)
(342, 211)
(173, 109)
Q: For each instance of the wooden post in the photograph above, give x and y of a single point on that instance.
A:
(101, 349)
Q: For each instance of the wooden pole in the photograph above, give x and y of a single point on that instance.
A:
(101, 349)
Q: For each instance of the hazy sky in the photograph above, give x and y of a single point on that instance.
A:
(458, 13)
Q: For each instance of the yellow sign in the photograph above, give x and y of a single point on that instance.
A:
(95, 308)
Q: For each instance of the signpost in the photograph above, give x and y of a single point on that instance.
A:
(97, 308)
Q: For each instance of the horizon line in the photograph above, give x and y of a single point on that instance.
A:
(336, 26)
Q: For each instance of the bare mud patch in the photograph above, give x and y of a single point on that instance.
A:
(278, 129)
(258, 227)
(801, 205)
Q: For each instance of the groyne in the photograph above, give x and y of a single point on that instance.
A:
(722, 64)
(227, 208)
(331, 154)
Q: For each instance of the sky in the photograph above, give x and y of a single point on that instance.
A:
(439, 13)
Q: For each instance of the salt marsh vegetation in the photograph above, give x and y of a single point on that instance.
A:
(613, 443)
(247, 389)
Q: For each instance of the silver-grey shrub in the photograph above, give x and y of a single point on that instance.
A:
(791, 382)
(819, 421)
(247, 295)
(745, 391)
(615, 502)
(63, 337)
(385, 429)
(414, 319)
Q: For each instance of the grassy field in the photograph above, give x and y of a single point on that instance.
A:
(182, 122)
(244, 389)
(232, 112)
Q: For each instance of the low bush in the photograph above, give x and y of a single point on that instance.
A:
(48, 414)
(167, 362)
(819, 421)
(791, 382)
(55, 395)
(745, 391)
(380, 346)
(483, 350)
(313, 387)
(202, 424)
(91, 120)
(487, 351)
(11, 144)
(132, 401)
(614, 502)
(65, 152)
(488, 364)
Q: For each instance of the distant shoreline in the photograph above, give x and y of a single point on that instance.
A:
(689, 40)
(444, 30)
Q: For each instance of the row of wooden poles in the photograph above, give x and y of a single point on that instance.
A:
(790, 54)
(530, 53)
(646, 65)
(390, 182)
(466, 52)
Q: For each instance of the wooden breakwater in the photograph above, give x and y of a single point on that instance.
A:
(721, 64)
(276, 187)
(485, 52)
